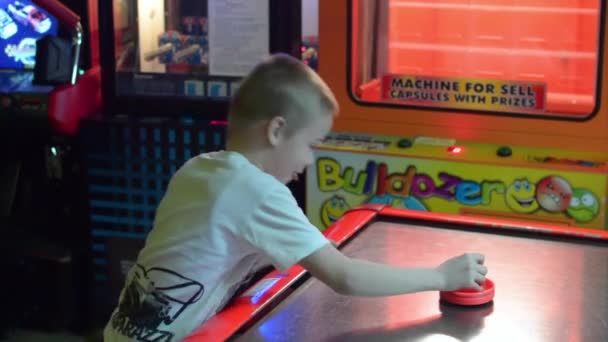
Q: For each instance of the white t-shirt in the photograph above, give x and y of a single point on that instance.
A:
(221, 219)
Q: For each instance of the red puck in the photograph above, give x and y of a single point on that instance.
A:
(470, 297)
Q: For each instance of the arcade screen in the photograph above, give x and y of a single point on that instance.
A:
(187, 48)
(21, 24)
(528, 57)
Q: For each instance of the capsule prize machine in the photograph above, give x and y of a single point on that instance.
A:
(485, 108)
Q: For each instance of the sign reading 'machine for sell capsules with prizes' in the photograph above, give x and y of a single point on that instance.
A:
(464, 93)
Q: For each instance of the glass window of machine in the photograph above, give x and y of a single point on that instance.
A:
(187, 48)
(526, 57)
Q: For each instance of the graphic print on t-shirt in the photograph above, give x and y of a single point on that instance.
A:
(154, 298)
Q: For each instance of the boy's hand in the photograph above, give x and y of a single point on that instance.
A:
(465, 271)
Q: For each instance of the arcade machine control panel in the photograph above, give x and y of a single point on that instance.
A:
(458, 177)
(430, 147)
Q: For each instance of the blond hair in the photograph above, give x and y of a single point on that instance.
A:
(281, 86)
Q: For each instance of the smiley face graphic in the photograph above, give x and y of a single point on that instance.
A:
(520, 196)
(332, 210)
(553, 194)
(584, 205)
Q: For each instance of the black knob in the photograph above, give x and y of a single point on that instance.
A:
(504, 151)
(404, 143)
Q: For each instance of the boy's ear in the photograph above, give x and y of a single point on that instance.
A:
(276, 130)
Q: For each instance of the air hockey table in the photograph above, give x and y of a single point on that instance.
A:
(551, 284)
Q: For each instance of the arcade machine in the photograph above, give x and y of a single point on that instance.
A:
(60, 102)
(44, 92)
(491, 109)
(169, 69)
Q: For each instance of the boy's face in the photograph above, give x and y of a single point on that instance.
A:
(292, 153)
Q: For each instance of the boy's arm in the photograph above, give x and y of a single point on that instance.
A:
(350, 276)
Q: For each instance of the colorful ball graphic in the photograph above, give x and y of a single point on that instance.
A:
(553, 194)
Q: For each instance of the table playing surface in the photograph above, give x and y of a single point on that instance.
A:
(547, 289)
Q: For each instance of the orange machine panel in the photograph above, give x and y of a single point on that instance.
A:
(545, 55)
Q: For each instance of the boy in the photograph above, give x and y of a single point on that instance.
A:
(228, 214)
